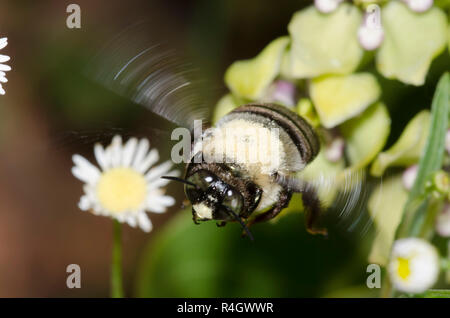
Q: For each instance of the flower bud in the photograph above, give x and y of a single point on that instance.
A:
(409, 176)
(371, 33)
(327, 6)
(419, 5)
(443, 221)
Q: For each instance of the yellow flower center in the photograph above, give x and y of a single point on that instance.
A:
(403, 269)
(121, 189)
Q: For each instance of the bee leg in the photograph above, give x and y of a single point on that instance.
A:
(283, 201)
(194, 217)
(313, 209)
(221, 224)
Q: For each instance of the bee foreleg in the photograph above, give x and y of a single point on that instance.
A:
(313, 211)
(283, 201)
(194, 217)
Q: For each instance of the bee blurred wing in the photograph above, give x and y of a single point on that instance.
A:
(343, 197)
(152, 75)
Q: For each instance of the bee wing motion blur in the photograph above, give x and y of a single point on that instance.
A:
(248, 165)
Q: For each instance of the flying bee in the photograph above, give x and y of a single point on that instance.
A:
(231, 187)
(251, 190)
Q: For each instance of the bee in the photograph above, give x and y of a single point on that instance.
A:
(225, 190)
(249, 191)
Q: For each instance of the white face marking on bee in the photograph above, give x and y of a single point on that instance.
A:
(203, 211)
(212, 198)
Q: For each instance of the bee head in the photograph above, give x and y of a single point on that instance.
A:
(212, 198)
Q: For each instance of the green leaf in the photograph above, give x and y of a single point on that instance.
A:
(436, 293)
(412, 40)
(408, 148)
(366, 135)
(250, 78)
(385, 206)
(339, 98)
(432, 158)
(325, 43)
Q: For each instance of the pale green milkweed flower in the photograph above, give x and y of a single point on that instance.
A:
(251, 78)
(412, 40)
(387, 200)
(414, 265)
(126, 185)
(325, 43)
(3, 67)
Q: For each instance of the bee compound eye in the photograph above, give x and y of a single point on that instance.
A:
(202, 179)
(233, 200)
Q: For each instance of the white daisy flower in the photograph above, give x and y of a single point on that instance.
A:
(3, 67)
(125, 186)
(326, 6)
(414, 265)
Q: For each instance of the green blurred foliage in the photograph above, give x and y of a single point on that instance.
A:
(185, 260)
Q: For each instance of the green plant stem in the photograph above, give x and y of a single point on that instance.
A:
(426, 232)
(116, 262)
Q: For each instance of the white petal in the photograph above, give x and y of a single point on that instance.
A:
(4, 67)
(158, 171)
(4, 58)
(166, 200)
(101, 156)
(3, 79)
(159, 203)
(140, 152)
(2, 91)
(128, 152)
(151, 159)
(153, 206)
(84, 175)
(131, 220)
(85, 203)
(158, 183)
(84, 170)
(144, 222)
(116, 151)
(3, 42)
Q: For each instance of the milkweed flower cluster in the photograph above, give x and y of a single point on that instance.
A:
(126, 184)
(322, 71)
(3, 67)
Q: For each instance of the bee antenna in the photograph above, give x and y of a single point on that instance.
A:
(247, 231)
(179, 180)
